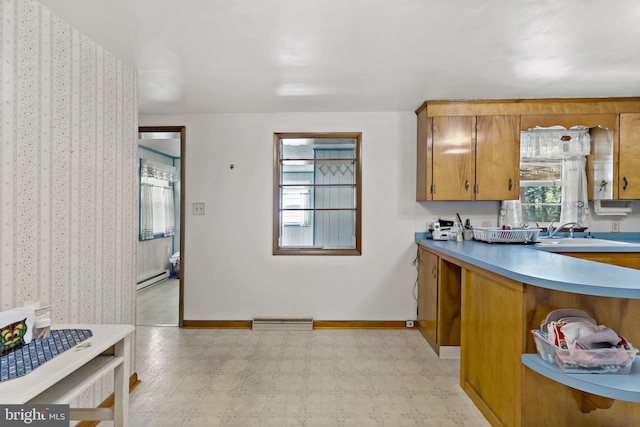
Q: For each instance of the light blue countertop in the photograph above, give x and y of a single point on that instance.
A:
(527, 264)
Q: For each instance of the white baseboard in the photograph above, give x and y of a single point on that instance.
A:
(152, 280)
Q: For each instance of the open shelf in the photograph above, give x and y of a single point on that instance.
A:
(613, 386)
(71, 386)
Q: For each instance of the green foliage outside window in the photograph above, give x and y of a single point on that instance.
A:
(541, 204)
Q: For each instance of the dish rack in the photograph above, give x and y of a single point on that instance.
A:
(498, 235)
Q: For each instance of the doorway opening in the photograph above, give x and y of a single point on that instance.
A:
(160, 270)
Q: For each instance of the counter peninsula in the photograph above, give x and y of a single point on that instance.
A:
(487, 297)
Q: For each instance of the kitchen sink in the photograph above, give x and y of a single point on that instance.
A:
(581, 241)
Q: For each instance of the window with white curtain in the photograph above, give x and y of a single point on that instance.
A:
(553, 179)
(157, 208)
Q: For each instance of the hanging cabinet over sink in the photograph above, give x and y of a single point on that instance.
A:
(470, 150)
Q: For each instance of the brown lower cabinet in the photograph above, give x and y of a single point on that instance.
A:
(494, 319)
(621, 259)
(438, 301)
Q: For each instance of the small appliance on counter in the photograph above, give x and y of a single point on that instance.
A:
(443, 230)
(440, 233)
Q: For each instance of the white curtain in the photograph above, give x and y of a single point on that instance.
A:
(157, 193)
(571, 146)
(152, 169)
(574, 191)
(510, 213)
(555, 142)
(146, 212)
(169, 212)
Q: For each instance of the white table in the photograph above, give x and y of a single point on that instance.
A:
(64, 377)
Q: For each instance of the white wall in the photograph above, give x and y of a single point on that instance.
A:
(488, 211)
(629, 223)
(230, 272)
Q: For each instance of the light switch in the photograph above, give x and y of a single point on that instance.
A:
(198, 208)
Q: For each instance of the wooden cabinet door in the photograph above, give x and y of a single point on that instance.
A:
(629, 162)
(428, 296)
(497, 158)
(453, 157)
(492, 343)
(424, 157)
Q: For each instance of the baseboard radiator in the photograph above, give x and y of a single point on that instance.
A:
(274, 324)
(152, 280)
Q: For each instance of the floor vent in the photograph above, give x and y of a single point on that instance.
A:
(282, 324)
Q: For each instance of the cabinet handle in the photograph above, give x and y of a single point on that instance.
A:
(433, 271)
(466, 185)
(624, 178)
(510, 184)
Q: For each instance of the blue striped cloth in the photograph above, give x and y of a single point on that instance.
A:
(30, 356)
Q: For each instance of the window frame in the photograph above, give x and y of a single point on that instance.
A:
(277, 173)
(524, 184)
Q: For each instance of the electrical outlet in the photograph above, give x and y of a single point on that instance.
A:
(409, 323)
(615, 226)
(198, 208)
(486, 223)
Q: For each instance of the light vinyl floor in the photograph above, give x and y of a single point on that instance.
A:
(320, 378)
(157, 305)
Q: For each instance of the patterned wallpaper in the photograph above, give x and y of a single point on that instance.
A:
(68, 193)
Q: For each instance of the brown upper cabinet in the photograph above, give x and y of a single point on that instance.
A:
(470, 150)
(453, 157)
(497, 158)
(629, 167)
(468, 157)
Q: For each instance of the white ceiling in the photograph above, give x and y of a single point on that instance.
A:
(220, 56)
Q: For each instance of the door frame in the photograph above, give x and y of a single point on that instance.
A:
(182, 131)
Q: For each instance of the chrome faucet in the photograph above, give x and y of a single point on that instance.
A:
(552, 231)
